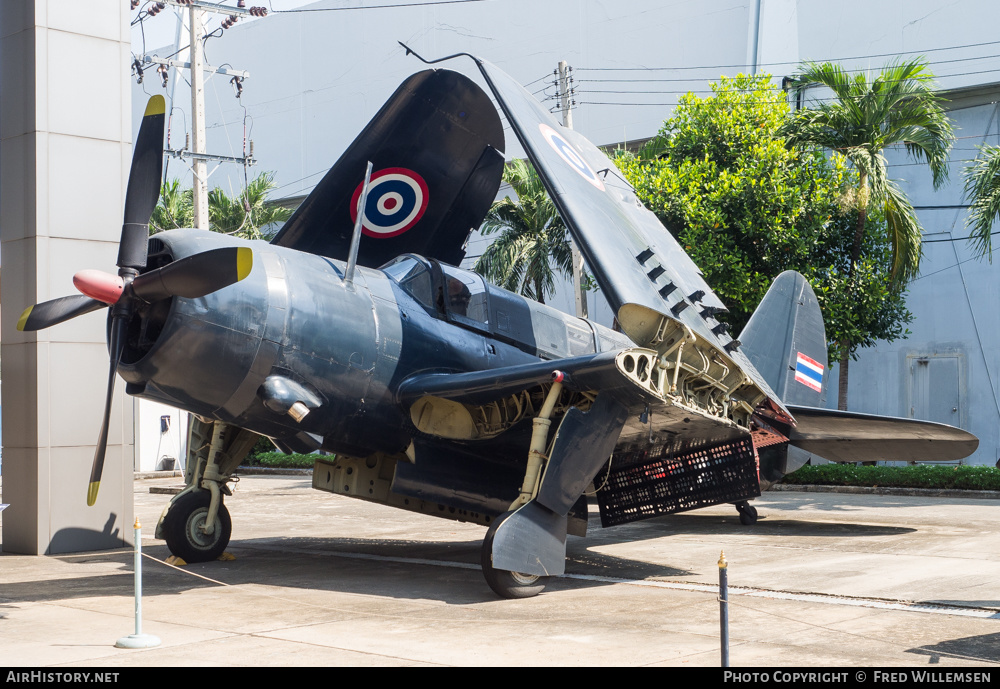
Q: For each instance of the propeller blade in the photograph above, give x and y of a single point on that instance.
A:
(118, 326)
(195, 276)
(143, 186)
(56, 311)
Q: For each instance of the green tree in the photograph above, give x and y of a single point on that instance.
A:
(982, 190)
(746, 207)
(532, 238)
(867, 114)
(247, 215)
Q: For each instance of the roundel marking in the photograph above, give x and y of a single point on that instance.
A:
(397, 199)
(570, 155)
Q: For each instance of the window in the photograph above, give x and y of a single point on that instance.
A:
(413, 276)
(465, 296)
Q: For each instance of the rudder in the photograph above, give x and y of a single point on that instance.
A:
(785, 340)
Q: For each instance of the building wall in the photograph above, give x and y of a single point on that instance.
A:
(954, 301)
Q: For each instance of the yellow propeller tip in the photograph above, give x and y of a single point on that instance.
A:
(24, 318)
(92, 493)
(244, 262)
(155, 106)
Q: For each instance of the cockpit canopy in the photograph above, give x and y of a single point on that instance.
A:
(464, 298)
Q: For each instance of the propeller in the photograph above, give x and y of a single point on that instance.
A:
(190, 277)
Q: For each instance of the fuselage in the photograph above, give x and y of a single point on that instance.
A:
(295, 324)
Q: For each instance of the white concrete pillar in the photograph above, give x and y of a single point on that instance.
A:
(65, 151)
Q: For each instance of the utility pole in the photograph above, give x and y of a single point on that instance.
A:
(198, 154)
(566, 103)
(199, 166)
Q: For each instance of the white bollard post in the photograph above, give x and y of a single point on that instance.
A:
(138, 640)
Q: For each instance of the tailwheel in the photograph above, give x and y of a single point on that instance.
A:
(183, 528)
(507, 584)
(748, 513)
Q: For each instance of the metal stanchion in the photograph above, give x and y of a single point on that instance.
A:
(724, 607)
(138, 640)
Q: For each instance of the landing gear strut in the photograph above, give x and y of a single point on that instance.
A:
(748, 513)
(507, 584)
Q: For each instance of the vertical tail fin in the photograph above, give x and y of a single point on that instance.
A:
(786, 342)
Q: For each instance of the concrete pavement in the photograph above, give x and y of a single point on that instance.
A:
(820, 580)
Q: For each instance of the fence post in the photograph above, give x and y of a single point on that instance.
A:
(724, 607)
(138, 640)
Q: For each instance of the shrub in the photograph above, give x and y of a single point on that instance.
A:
(919, 476)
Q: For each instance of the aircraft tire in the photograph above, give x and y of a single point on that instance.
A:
(748, 513)
(511, 585)
(180, 528)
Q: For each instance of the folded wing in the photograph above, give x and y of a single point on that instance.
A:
(656, 290)
(437, 151)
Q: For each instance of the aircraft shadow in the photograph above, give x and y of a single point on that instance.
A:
(385, 566)
(687, 523)
(347, 565)
(983, 647)
(810, 500)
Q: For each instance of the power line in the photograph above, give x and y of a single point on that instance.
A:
(748, 89)
(848, 71)
(775, 64)
(377, 7)
(953, 239)
(954, 265)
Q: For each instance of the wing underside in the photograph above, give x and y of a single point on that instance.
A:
(651, 453)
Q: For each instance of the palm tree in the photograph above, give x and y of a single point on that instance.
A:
(866, 115)
(532, 238)
(247, 215)
(982, 189)
(174, 209)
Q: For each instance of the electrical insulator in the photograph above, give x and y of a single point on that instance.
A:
(241, 4)
(237, 83)
(229, 21)
(156, 8)
(164, 74)
(258, 11)
(137, 70)
(135, 3)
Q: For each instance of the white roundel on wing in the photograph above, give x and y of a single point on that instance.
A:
(397, 199)
(570, 155)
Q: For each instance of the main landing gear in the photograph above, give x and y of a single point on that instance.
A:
(748, 513)
(507, 584)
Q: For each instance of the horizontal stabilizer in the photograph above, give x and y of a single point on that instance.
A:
(841, 436)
